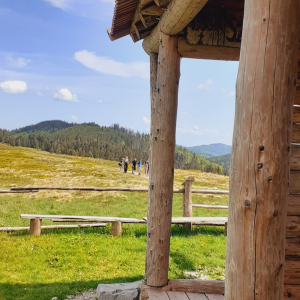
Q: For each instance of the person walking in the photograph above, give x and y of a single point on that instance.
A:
(146, 168)
(121, 163)
(134, 165)
(126, 164)
(140, 166)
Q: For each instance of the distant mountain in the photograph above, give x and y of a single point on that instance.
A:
(210, 150)
(223, 160)
(91, 140)
(46, 126)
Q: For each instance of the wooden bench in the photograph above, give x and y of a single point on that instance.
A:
(116, 228)
(205, 221)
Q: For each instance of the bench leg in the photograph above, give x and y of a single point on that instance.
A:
(225, 231)
(116, 228)
(35, 227)
(187, 226)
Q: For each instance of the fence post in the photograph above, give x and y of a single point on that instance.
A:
(35, 227)
(116, 228)
(187, 204)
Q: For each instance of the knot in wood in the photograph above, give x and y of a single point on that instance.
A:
(275, 214)
(247, 203)
(261, 148)
(270, 178)
(260, 166)
(154, 138)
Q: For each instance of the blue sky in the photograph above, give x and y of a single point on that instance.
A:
(57, 62)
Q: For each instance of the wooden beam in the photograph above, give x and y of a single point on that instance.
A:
(292, 272)
(207, 52)
(210, 206)
(174, 20)
(152, 10)
(117, 35)
(291, 292)
(162, 145)
(260, 155)
(293, 208)
(162, 3)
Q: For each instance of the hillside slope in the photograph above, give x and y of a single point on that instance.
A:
(92, 140)
(211, 150)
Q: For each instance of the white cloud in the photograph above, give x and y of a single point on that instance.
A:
(185, 114)
(74, 118)
(211, 131)
(232, 93)
(109, 66)
(40, 94)
(19, 62)
(206, 85)
(146, 120)
(66, 95)
(63, 4)
(194, 131)
(13, 87)
(99, 101)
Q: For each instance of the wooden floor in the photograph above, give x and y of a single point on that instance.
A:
(162, 295)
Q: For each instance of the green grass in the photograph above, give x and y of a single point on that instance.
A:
(62, 262)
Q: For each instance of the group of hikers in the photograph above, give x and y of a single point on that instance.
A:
(135, 163)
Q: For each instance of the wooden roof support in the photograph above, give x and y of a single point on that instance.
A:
(164, 99)
(174, 20)
(259, 179)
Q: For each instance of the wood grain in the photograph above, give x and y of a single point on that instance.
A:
(194, 296)
(177, 296)
(292, 248)
(292, 272)
(291, 292)
(260, 154)
(162, 144)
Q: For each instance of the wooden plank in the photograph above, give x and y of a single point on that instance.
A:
(195, 286)
(291, 292)
(174, 20)
(215, 297)
(54, 227)
(296, 114)
(157, 295)
(177, 295)
(295, 158)
(100, 219)
(214, 221)
(17, 192)
(207, 52)
(293, 208)
(292, 272)
(294, 184)
(210, 206)
(196, 296)
(296, 133)
(292, 248)
(265, 93)
(210, 192)
(162, 147)
(293, 226)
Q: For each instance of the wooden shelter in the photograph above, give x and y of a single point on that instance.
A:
(263, 245)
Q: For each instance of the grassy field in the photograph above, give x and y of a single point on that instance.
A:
(63, 262)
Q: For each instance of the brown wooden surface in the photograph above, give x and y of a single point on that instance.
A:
(35, 227)
(293, 208)
(210, 206)
(292, 272)
(295, 158)
(294, 186)
(293, 226)
(296, 133)
(187, 204)
(214, 221)
(207, 52)
(291, 292)
(292, 248)
(296, 114)
(116, 228)
(259, 176)
(162, 144)
(174, 20)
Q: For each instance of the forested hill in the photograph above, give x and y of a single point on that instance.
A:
(92, 140)
(211, 150)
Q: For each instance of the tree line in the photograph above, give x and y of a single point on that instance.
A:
(91, 140)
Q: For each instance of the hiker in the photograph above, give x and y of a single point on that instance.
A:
(146, 168)
(126, 165)
(134, 165)
(121, 163)
(140, 166)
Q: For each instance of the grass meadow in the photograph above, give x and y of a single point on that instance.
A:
(64, 262)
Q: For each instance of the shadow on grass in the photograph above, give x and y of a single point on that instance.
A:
(41, 291)
(137, 230)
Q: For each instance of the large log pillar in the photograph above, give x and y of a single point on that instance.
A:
(164, 98)
(259, 175)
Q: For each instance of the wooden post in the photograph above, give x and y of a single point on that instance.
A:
(116, 228)
(187, 204)
(162, 145)
(35, 227)
(259, 175)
